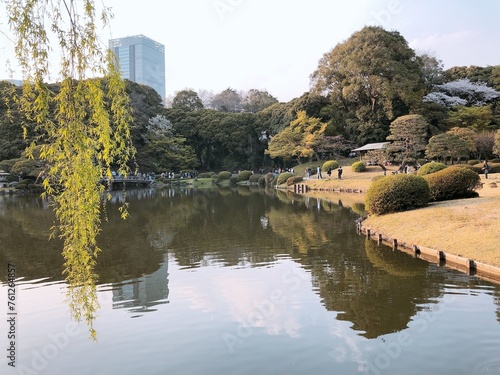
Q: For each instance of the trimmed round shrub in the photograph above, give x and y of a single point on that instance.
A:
(282, 177)
(453, 183)
(293, 180)
(358, 166)
(254, 178)
(244, 175)
(473, 162)
(269, 179)
(471, 167)
(494, 167)
(262, 180)
(225, 175)
(333, 164)
(233, 180)
(431, 167)
(396, 193)
(478, 168)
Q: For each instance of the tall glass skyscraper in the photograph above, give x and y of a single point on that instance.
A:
(141, 60)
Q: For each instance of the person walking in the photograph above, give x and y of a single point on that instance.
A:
(329, 172)
(486, 169)
(319, 173)
(339, 172)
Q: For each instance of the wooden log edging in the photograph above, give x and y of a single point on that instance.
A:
(301, 188)
(471, 267)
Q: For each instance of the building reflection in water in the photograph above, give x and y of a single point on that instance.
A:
(141, 295)
(120, 196)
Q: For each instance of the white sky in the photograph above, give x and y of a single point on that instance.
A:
(275, 45)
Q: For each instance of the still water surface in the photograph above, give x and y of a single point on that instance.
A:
(241, 281)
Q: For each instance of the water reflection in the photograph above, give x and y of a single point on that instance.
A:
(142, 294)
(120, 196)
(377, 290)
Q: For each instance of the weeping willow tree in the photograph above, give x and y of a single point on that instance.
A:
(82, 130)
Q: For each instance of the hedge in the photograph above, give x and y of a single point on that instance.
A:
(396, 193)
(494, 167)
(333, 164)
(244, 175)
(358, 166)
(453, 183)
(478, 168)
(431, 167)
(269, 179)
(283, 177)
(293, 180)
(254, 178)
(225, 175)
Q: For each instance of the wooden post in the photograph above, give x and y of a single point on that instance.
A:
(380, 239)
(368, 233)
(472, 265)
(441, 255)
(416, 250)
(394, 244)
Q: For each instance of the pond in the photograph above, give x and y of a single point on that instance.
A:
(237, 281)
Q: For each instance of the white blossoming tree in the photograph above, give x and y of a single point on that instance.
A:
(462, 92)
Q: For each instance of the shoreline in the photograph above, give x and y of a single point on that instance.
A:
(463, 231)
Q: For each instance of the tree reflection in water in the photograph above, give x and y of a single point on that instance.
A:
(376, 289)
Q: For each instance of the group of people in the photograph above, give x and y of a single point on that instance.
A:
(182, 174)
(319, 175)
(407, 168)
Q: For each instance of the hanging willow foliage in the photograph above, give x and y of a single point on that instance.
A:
(83, 129)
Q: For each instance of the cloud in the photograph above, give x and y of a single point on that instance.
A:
(441, 41)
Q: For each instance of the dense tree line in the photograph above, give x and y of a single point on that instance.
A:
(371, 88)
(374, 87)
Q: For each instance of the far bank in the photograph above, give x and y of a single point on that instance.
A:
(463, 227)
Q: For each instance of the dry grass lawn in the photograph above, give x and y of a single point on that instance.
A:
(350, 179)
(465, 227)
